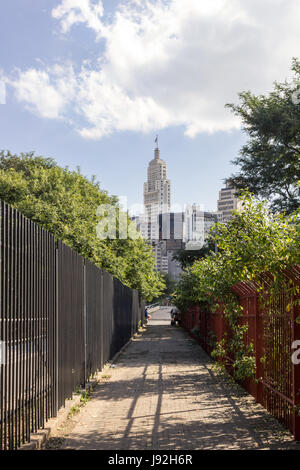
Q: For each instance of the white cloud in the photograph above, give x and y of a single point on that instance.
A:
(44, 93)
(166, 63)
(72, 12)
(34, 88)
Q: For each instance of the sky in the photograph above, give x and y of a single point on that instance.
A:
(91, 83)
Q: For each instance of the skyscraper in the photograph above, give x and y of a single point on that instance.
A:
(157, 200)
(228, 202)
(157, 194)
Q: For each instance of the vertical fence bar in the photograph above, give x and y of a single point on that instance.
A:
(85, 326)
(56, 345)
(259, 352)
(272, 326)
(296, 377)
(25, 308)
(10, 331)
(60, 319)
(101, 308)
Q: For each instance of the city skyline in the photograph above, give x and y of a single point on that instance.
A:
(170, 228)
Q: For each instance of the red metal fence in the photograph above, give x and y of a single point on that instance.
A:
(272, 329)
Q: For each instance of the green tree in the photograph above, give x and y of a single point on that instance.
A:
(270, 161)
(65, 203)
(254, 241)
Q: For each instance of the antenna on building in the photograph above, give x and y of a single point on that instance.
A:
(156, 141)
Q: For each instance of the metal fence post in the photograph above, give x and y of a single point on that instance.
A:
(56, 335)
(296, 377)
(101, 321)
(258, 346)
(84, 323)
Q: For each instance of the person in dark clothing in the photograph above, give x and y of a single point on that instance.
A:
(174, 317)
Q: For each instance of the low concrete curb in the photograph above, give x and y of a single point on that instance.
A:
(38, 439)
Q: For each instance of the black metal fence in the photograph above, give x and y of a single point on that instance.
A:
(61, 320)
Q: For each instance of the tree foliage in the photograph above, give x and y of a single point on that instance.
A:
(270, 161)
(188, 257)
(254, 241)
(171, 285)
(65, 202)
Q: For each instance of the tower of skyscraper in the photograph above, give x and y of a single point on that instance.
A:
(157, 200)
(157, 194)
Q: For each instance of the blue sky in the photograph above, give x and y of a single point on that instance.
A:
(91, 83)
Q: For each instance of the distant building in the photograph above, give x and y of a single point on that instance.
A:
(182, 230)
(163, 229)
(157, 201)
(171, 226)
(197, 225)
(160, 252)
(157, 195)
(228, 202)
(171, 235)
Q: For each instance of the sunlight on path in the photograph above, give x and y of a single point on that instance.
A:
(163, 394)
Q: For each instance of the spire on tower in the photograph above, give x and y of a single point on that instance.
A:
(156, 152)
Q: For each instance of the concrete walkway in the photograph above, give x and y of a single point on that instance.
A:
(164, 394)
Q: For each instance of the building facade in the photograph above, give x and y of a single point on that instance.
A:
(228, 202)
(197, 226)
(157, 195)
(157, 201)
(171, 235)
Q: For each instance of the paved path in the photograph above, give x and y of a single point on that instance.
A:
(164, 394)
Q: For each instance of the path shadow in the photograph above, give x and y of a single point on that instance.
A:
(170, 364)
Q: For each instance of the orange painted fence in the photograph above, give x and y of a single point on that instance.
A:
(272, 330)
